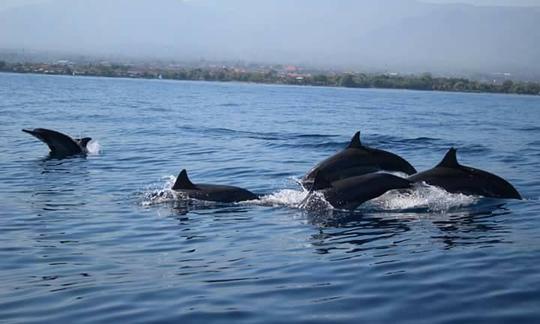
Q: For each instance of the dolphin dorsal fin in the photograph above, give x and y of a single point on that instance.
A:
(183, 182)
(355, 141)
(320, 182)
(449, 160)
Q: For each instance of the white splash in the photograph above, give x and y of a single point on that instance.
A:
(315, 201)
(153, 195)
(284, 197)
(93, 147)
(422, 196)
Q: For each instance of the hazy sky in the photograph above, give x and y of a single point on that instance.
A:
(491, 2)
(397, 35)
(14, 3)
(11, 3)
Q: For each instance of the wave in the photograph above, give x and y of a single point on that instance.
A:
(528, 128)
(229, 104)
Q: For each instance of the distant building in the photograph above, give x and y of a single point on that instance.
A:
(291, 68)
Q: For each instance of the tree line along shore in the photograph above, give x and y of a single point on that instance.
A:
(271, 76)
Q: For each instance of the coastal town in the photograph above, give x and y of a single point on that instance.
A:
(275, 74)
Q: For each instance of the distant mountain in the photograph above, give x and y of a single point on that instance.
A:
(400, 35)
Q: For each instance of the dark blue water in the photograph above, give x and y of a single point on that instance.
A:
(100, 239)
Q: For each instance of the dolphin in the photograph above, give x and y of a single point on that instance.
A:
(61, 145)
(456, 178)
(357, 159)
(352, 192)
(211, 192)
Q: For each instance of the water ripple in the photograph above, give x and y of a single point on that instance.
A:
(104, 239)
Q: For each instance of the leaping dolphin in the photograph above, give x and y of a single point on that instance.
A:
(456, 178)
(352, 192)
(211, 192)
(60, 145)
(357, 159)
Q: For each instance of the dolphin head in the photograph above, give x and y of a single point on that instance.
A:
(320, 182)
(39, 133)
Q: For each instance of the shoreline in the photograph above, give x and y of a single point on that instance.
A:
(423, 82)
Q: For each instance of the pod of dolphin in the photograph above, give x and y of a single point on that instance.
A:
(346, 179)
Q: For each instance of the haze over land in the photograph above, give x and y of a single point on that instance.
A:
(369, 35)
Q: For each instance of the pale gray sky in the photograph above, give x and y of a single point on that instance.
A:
(395, 35)
(14, 3)
(4, 4)
(521, 3)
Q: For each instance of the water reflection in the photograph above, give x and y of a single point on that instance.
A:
(185, 206)
(58, 184)
(479, 224)
(59, 157)
(54, 164)
(354, 231)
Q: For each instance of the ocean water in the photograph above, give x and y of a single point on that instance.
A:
(102, 239)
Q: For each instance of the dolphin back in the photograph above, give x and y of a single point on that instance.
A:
(389, 161)
(456, 178)
(211, 192)
(352, 192)
(355, 160)
(490, 185)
